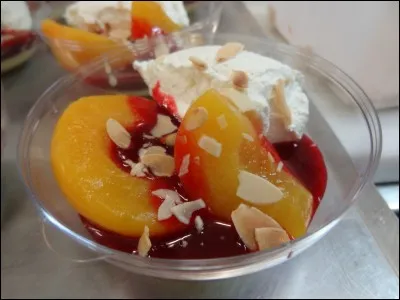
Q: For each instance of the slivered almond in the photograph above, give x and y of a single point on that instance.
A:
(163, 193)
(184, 168)
(152, 150)
(183, 212)
(240, 79)
(170, 139)
(160, 164)
(198, 63)
(196, 118)
(118, 134)
(228, 51)
(279, 102)
(270, 237)
(246, 219)
(257, 190)
(138, 170)
(163, 126)
(164, 211)
(144, 244)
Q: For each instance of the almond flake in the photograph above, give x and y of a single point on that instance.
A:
(149, 137)
(118, 134)
(196, 118)
(144, 244)
(170, 139)
(221, 120)
(246, 219)
(267, 238)
(198, 63)
(184, 169)
(160, 164)
(198, 222)
(163, 126)
(270, 157)
(151, 150)
(139, 170)
(256, 189)
(240, 80)
(164, 211)
(183, 212)
(279, 167)
(210, 145)
(238, 98)
(164, 193)
(228, 51)
(279, 102)
(129, 163)
(248, 137)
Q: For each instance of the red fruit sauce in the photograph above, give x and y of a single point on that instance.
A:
(218, 239)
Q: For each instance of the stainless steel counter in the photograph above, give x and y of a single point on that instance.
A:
(359, 258)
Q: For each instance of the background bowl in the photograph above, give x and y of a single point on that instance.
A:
(324, 84)
(71, 54)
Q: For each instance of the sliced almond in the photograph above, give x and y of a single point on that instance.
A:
(196, 118)
(139, 170)
(198, 63)
(279, 102)
(228, 51)
(129, 163)
(198, 222)
(240, 80)
(221, 120)
(270, 157)
(183, 212)
(163, 193)
(248, 137)
(160, 164)
(210, 145)
(152, 150)
(238, 98)
(279, 167)
(148, 136)
(246, 219)
(267, 238)
(144, 244)
(256, 189)
(170, 139)
(163, 126)
(164, 211)
(118, 134)
(184, 168)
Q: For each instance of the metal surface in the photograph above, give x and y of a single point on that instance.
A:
(359, 258)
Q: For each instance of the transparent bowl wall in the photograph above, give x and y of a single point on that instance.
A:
(204, 15)
(323, 83)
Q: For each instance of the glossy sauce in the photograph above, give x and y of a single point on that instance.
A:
(218, 239)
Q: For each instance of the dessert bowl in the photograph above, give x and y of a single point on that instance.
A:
(324, 83)
(73, 47)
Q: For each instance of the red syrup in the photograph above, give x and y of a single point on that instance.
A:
(217, 239)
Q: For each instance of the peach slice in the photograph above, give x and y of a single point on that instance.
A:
(213, 175)
(147, 15)
(92, 182)
(73, 47)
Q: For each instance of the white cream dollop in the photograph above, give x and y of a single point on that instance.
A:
(185, 83)
(117, 13)
(15, 15)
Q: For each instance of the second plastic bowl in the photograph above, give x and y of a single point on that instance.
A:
(325, 85)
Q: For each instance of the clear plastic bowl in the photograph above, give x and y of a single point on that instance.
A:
(204, 15)
(324, 84)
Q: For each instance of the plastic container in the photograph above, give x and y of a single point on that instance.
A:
(71, 54)
(324, 83)
(4, 123)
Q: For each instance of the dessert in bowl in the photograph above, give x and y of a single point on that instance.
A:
(88, 30)
(222, 175)
(17, 35)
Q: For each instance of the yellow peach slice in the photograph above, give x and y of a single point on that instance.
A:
(219, 154)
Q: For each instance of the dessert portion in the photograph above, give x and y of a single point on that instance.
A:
(17, 37)
(93, 29)
(197, 173)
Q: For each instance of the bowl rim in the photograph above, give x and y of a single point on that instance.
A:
(216, 268)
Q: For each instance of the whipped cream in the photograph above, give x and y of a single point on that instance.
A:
(179, 78)
(117, 13)
(15, 15)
